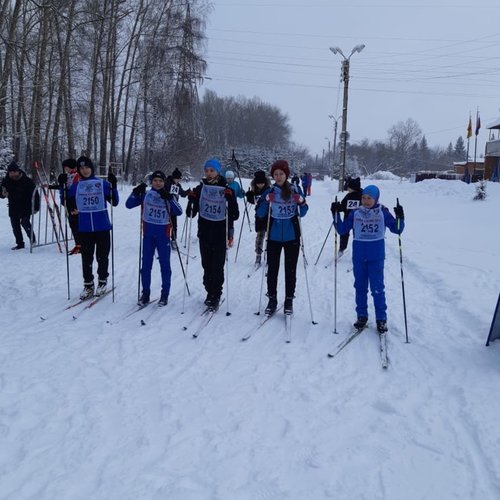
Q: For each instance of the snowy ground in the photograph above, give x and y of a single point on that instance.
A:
(103, 408)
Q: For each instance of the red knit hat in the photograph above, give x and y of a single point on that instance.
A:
(281, 165)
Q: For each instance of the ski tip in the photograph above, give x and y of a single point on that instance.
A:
(228, 314)
(329, 355)
(314, 322)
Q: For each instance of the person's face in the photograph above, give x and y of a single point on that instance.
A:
(367, 201)
(211, 173)
(15, 176)
(176, 181)
(85, 171)
(229, 179)
(279, 177)
(260, 185)
(158, 183)
(69, 170)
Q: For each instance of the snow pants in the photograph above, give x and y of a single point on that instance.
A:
(213, 257)
(100, 242)
(161, 243)
(291, 250)
(16, 222)
(370, 272)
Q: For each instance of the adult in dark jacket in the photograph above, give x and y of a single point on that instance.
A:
(350, 201)
(216, 205)
(88, 199)
(174, 187)
(19, 188)
(286, 203)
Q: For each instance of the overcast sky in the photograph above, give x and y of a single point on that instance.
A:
(433, 61)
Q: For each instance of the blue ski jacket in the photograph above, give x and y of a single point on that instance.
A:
(281, 229)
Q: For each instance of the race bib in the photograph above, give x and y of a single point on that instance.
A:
(352, 204)
(369, 224)
(90, 196)
(281, 209)
(174, 189)
(212, 203)
(154, 209)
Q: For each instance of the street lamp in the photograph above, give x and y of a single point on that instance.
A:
(328, 157)
(343, 135)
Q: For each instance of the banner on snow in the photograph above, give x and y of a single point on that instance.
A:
(495, 324)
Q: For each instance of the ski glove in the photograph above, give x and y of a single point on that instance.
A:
(191, 194)
(112, 180)
(165, 194)
(250, 196)
(62, 179)
(139, 190)
(336, 207)
(270, 197)
(228, 193)
(297, 198)
(398, 210)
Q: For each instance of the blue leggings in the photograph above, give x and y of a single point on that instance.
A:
(162, 244)
(371, 272)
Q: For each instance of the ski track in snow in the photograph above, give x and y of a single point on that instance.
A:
(103, 408)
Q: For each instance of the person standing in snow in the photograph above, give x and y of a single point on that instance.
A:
(305, 182)
(87, 199)
(19, 188)
(174, 187)
(217, 207)
(283, 203)
(259, 184)
(350, 201)
(239, 193)
(159, 205)
(65, 180)
(368, 223)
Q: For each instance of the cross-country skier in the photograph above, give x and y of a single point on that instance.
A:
(174, 187)
(239, 193)
(286, 203)
(87, 199)
(259, 184)
(214, 202)
(158, 207)
(368, 223)
(350, 201)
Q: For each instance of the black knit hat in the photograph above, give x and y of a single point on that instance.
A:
(159, 175)
(83, 161)
(176, 174)
(354, 184)
(260, 177)
(13, 167)
(69, 163)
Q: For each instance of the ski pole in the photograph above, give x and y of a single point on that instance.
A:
(112, 246)
(237, 163)
(324, 243)
(402, 277)
(65, 194)
(187, 256)
(140, 255)
(32, 217)
(264, 267)
(305, 266)
(239, 239)
(335, 258)
(227, 263)
(183, 234)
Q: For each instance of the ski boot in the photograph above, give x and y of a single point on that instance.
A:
(214, 303)
(258, 260)
(208, 300)
(101, 288)
(288, 305)
(75, 250)
(87, 292)
(144, 300)
(381, 326)
(271, 305)
(361, 323)
(163, 300)
(230, 242)
(18, 247)
(173, 244)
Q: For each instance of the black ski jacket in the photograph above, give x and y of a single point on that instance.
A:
(20, 194)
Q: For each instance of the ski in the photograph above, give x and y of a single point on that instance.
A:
(288, 327)
(206, 319)
(347, 341)
(92, 303)
(254, 270)
(263, 321)
(384, 360)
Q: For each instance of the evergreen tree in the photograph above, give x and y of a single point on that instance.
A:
(460, 151)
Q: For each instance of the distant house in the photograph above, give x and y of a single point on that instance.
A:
(492, 151)
(477, 170)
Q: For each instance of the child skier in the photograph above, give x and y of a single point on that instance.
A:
(368, 223)
(217, 208)
(283, 203)
(173, 186)
(239, 193)
(87, 199)
(158, 208)
(259, 184)
(350, 201)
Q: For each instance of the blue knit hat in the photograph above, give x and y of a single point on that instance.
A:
(372, 191)
(213, 163)
(229, 174)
